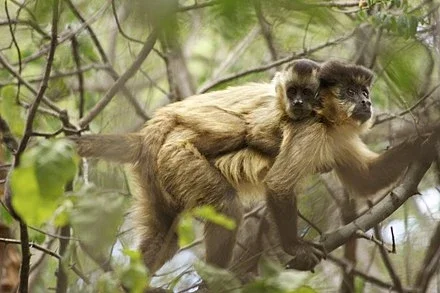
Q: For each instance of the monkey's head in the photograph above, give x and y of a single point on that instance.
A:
(345, 93)
(296, 88)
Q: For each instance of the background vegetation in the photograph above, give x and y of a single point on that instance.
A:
(73, 66)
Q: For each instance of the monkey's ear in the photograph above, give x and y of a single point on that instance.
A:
(278, 82)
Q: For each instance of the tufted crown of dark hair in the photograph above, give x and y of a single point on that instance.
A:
(336, 73)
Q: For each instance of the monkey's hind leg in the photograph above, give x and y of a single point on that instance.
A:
(192, 181)
(158, 239)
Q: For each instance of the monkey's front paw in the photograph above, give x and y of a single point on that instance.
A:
(305, 257)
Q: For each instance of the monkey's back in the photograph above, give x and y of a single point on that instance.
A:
(223, 121)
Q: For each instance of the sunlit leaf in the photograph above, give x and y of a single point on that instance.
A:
(37, 237)
(185, 230)
(210, 214)
(38, 183)
(134, 277)
(10, 111)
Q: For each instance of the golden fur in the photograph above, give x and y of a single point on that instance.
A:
(221, 147)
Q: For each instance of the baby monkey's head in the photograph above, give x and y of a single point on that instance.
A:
(296, 88)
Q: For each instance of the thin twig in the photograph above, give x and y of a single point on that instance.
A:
(30, 23)
(272, 64)
(14, 41)
(100, 105)
(373, 280)
(67, 36)
(80, 76)
(265, 30)
(409, 110)
(24, 271)
(118, 24)
(316, 228)
(384, 253)
(17, 75)
(430, 261)
(197, 6)
(32, 245)
(132, 100)
(61, 74)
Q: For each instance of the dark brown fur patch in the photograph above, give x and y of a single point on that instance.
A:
(302, 67)
(338, 73)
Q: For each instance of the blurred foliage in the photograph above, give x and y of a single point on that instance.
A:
(38, 183)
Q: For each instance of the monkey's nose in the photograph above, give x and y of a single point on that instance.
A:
(366, 103)
(298, 102)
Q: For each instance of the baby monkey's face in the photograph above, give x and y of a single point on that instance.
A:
(301, 100)
(301, 83)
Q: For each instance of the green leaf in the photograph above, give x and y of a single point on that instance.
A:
(134, 276)
(38, 183)
(5, 216)
(95, 219)
(307, 289)
(218, 280)
(61, 215)
(37, 237)
(185, 230)
(210, 214)
(10, 111)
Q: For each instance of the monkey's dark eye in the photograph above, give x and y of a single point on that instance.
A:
(365, 93)
(307, 92)
(291, 91)
(350, 92)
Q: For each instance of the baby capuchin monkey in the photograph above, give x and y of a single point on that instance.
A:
(297, 91)
(225, 147)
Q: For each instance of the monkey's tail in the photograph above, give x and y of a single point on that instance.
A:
(123, 148)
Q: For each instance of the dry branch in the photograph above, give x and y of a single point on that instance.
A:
(134, 67)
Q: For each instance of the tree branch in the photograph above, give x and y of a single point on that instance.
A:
(380, 211)
(272, 64)
(145, 51)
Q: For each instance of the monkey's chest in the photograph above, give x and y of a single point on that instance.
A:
(245, 169)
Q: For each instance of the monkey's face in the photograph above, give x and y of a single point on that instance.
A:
(344, 89)
(357, 100)
(301, 100)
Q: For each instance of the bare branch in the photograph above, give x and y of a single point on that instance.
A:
(197, 6)
(349, 267)
(272, 64)
(32, 245)
(24, 271)
(138, 109)
(382, 210)
(80, 76)
(265, 30)
(409, 110)
(387, 261)
(143, 54)
(430, 262)
(21, 80)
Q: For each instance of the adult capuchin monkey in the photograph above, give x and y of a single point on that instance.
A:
(213, 149)
(222, 147)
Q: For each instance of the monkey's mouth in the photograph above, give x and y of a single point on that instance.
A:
(301, 112)
(361, 114)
